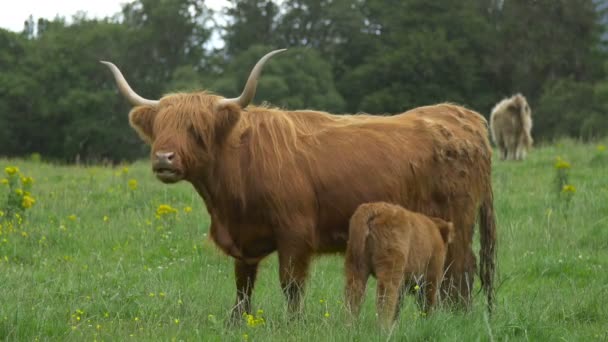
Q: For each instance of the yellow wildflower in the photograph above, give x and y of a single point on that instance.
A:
(187, 209)
(105, 218)
(4, 181)
(176, 321)
(19, 192)
(27, 181)
(417, 288)
(245, 337)
(132, 184)
(72, 217)
(211, 318)
(165, 209)
(326, 315)
(253, 321)
(11, 170)
(125, 170)
(601, 148)
(561, 164)
(27, 202)
(568, 189)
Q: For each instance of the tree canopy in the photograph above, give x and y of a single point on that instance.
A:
(345, 56)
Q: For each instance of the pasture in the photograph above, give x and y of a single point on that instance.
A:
(112, 254)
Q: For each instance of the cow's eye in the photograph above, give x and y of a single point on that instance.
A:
(197, 136)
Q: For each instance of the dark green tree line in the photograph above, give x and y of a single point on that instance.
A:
(344, 56)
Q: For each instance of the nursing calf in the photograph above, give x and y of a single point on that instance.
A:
(402, 249)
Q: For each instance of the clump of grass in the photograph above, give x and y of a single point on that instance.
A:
(600, 157)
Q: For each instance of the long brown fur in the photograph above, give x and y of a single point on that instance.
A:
(511, 125)
(402, 249)
(289, 181)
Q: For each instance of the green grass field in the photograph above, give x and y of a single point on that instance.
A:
(93, 260)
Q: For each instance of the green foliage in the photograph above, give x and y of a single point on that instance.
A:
(299, 78)
(344, 56)
(252, 22)
(530, 48)
(94, 262)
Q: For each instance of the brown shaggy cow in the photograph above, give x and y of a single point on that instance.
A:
(511, 125)
(401, 249)
(289, 181)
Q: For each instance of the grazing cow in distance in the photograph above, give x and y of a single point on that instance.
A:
(402, 249)
(289, 181)
(511, 126)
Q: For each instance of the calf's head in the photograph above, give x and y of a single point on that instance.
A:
(184, 129)
(446, 229)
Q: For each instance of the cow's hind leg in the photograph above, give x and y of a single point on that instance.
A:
(460, 264)
(502, 147)
(520, 154)
(245, 275)
(294, 262)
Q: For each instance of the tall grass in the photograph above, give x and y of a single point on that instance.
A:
(94, 260)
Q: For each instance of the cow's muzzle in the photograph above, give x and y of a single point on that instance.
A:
(165, 167)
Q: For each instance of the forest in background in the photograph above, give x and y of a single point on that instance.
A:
(345, 56)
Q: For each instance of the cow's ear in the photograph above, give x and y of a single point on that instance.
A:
(141, 119)
(226, 116)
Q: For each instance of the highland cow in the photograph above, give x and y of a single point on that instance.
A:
(289, 181)
(404, 250)
(511, 126)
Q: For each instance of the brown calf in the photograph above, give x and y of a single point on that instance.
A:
(402, 249)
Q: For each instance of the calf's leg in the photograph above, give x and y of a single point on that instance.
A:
(356, 282)
(390, 279)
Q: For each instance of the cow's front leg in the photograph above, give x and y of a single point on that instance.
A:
(294, 262)
(244, 275)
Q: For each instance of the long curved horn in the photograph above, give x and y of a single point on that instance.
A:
(126, 90)
(252, 82)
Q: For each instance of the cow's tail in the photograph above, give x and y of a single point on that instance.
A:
(487, 253)
(359, 231)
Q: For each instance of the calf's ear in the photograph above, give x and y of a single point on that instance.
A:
(141, 119)
(446, 229)
(447, 232)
